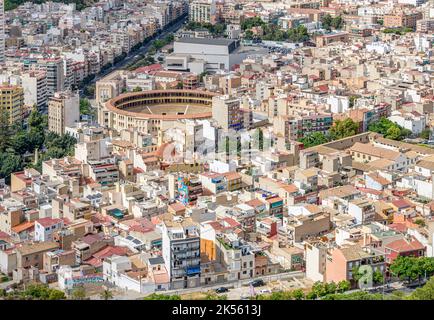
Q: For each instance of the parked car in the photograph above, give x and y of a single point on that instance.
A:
(257, 283)
(266, 290)
(221, 290)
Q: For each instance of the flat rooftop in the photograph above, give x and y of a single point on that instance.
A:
(205, 41)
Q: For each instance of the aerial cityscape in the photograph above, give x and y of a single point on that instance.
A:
(217, 150)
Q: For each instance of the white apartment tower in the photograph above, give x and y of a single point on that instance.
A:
(203, 11)
(34, 84)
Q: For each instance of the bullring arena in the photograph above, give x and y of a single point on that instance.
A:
(150, 111)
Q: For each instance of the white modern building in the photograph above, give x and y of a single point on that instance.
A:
(192, 54)
(413, 121)
(34, 85)
(46, 227)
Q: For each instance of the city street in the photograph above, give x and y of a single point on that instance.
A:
(135, 56)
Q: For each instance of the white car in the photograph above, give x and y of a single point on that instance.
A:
(266, 290)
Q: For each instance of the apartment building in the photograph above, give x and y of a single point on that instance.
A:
(63, 111)
(181, 251)
(12, 103)
(54, 70)
(46, 227)
(297, 127)
(425, 25)
(235, 256)
(341, 262)
(363, 210)
(32, 254)
(189, 189)
(326, 39)
(226, 111)
(34, 85)
(407, 20)
(203, 11)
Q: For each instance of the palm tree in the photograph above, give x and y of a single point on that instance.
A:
(106, 294)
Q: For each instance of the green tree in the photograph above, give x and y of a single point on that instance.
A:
(5, 130)
(86, 108)
(424, 293)
(252, 22)
(343, 286)
(106, 295)
(298, 294)
(137, 89)
(358, 295)
(331, 287)
(9, 163)
(248, 35)
(311, 296)
(425, 134)
(319, 289)
(326, 22)
(378, 277)
(156, 296)
(393, 133)
(314, 139)
(337, 22)
(56, 295)
(20, 142)
(389, 129)
(420, 222)
(78, 293)
(352, 101)
(214, 296)
(412, 268)
(344, 128)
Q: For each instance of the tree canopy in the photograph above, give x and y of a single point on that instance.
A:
(272, 32)
(412, 268)
(343, 128)
(389, 129)
(424, 293)
(156, 296)
(36, 292)
(16, 142)
(215, 29)
(329, 22)
(314, 139)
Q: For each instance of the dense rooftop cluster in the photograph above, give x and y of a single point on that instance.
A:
(262, 141)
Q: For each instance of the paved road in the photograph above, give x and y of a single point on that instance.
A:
(134, 56)
(238, 288)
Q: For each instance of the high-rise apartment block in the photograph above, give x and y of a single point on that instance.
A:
(55, 74)
(12, 103)
(226, 111)
(203, 11)
(63, 111)
(181, 251)
(34, 84)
